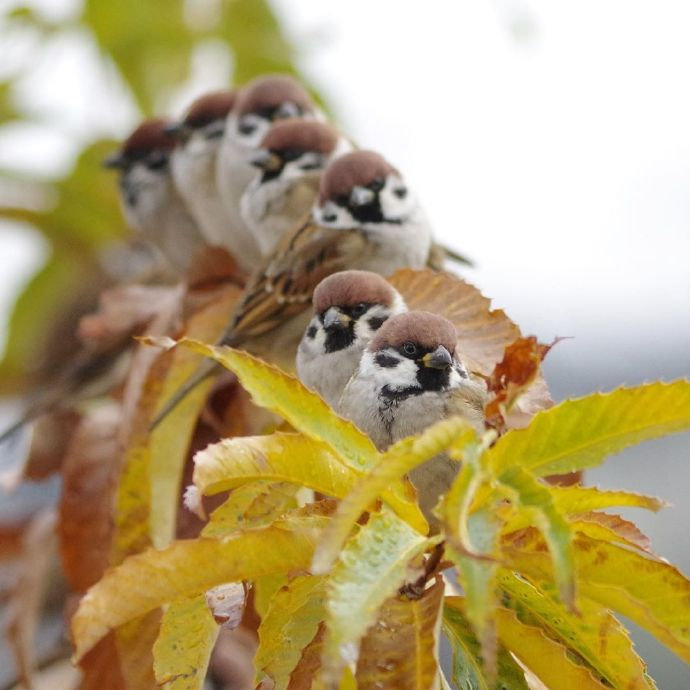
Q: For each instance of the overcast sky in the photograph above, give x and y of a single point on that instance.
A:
(549, 141)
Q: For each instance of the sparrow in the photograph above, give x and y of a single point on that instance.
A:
(150, 203)
(365, 217)
(259, 104)
(411, 376)
(193, 165)
(349, 308)
(290, 161)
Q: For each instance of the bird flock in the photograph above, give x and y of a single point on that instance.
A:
(314, 225)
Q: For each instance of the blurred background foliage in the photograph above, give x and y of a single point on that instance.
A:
(146, 51)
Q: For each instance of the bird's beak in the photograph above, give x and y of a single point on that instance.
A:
(265, 160)
(361, 196)
(440, 358)
(115, 161)
(335, 320)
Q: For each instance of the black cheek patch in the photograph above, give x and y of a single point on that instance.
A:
(386, 361)
(311, 332)
(375, 322)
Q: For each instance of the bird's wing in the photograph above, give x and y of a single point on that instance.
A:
(283, 287)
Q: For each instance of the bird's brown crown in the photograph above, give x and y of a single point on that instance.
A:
(349, 288)
(356, 168)
(149, 136)
(269, 92)
(210, 107)
(303, 135)
(419, 327)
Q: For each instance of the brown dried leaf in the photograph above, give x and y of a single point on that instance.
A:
(401, 650)
(123, 309)
(511, 382)
(24, 605)
(304, 674)
(483, 333)
(86, 504)
(212, 267)
(101, 667)
(612, 528)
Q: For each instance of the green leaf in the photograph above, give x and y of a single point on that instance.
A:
(467, 669)
(652, 593)
(592, 632)
(578, 434)
(400, 458)
(184, 645)
(184, 569)
(371, 568)
(535, 498)
(294, 614)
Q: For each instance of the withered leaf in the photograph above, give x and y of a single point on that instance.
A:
(483, 333)
(85, 510)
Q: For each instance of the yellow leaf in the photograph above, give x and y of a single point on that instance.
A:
(652, 593)
(272, 388)
(169, 442)
(293, 617)
(573, 500)
(592, 632)
(372, 566)
(577, 434)
(183, 569)
(401, 650)
(184, 645)
(546, 658)
(278, 457)
(400, 458)
(250, 506)
(468, 671)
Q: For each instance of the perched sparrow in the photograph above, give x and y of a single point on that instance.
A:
(258, 105)
(409, 377)
(150, 202)
(364, 218)
(349, 307)
(199, 135)
(290, 160)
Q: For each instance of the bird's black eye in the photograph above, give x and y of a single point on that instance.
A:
(247, 128)
(400, 192)
(156, 161)
(376, 185)
(330, 217)
(359, 309)
(291, 154)
(410, 349)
